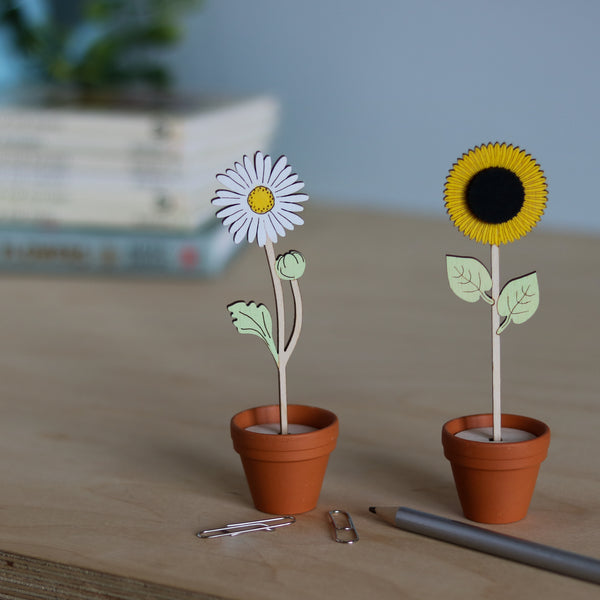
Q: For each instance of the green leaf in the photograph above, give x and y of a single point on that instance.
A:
(254, 319)
(468, 278)
(518, 300)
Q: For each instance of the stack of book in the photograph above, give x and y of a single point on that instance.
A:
(121, 189)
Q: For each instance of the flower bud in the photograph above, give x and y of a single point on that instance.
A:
(290, 266)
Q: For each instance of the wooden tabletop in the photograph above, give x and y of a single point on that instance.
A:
(117, 395)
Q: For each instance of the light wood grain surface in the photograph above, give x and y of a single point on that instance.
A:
(117, 395)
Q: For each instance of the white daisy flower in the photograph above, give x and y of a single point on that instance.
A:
(260, 201)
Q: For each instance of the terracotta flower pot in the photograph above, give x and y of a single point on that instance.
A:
(495, 480)
(285, 472)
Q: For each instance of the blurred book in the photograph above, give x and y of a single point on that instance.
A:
(106, 202)
(158, 123)
(120, 185)
(202, 253)
(147, 161)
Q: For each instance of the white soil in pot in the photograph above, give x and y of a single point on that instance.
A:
(485, 434)
(273, 428)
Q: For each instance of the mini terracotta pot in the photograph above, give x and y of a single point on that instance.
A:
(495, 481)
(285, 472)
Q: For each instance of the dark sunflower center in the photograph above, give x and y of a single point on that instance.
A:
(495, 195)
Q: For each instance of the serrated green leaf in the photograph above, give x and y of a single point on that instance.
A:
(518, 300)
(254, 319)
(468, 278)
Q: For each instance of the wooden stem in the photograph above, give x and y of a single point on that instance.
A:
(297, 318)
(496, 397)
(283, 420)
(282, 357)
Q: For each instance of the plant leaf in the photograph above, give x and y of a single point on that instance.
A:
(468, 278)
(518, 300)
(254, 319)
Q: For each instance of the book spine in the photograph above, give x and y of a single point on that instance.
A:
(202, 255)
(98, 205)
(136, 131)
(23, 161)
(34, 146)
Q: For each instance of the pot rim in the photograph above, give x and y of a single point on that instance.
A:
(455, 447)
(321, 441)
(529, 424)
(256, 416)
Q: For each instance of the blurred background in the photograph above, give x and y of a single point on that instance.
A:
(379, 98)
(376, 99)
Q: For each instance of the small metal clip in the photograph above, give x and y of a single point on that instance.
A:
(247, 527)
(344, 531)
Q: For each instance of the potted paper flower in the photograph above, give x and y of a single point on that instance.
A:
(495, 194)
(284, 448)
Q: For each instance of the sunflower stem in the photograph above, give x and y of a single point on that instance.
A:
(283, 356)
(496, 398)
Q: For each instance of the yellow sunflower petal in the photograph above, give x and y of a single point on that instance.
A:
(513, 216)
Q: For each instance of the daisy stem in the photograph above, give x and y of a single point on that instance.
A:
(496, 399)
(282, 356)
(289, 348)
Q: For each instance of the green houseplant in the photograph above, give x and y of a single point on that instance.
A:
(97, 45)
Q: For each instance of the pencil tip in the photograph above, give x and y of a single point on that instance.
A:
(373, 509)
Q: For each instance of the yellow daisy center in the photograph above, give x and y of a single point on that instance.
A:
(261, 200)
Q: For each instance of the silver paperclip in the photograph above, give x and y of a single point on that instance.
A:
(344, 531)
(239, 528)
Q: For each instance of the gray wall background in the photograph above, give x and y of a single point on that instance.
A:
(380, 97)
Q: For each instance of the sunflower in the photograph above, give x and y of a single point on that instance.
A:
(260, 201)
(496, 193)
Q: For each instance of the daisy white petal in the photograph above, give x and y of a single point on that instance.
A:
(222, 201)
(230, 183)
(262, 234)
(291, 178)
(233, 174)
(259, 167)
(237, 225)
(229, 195)
(229, 210)
(294, 198)
(287, 181)
(291, 206)
(271, 233)
(290, 189)
(239, 167)
(227, 221)
(293, 217)
(267, 169)
(240, 234)
(277, 168)
(249, 166)
(252, 230)
(277, 225)
(281, 177)
(285, 221)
